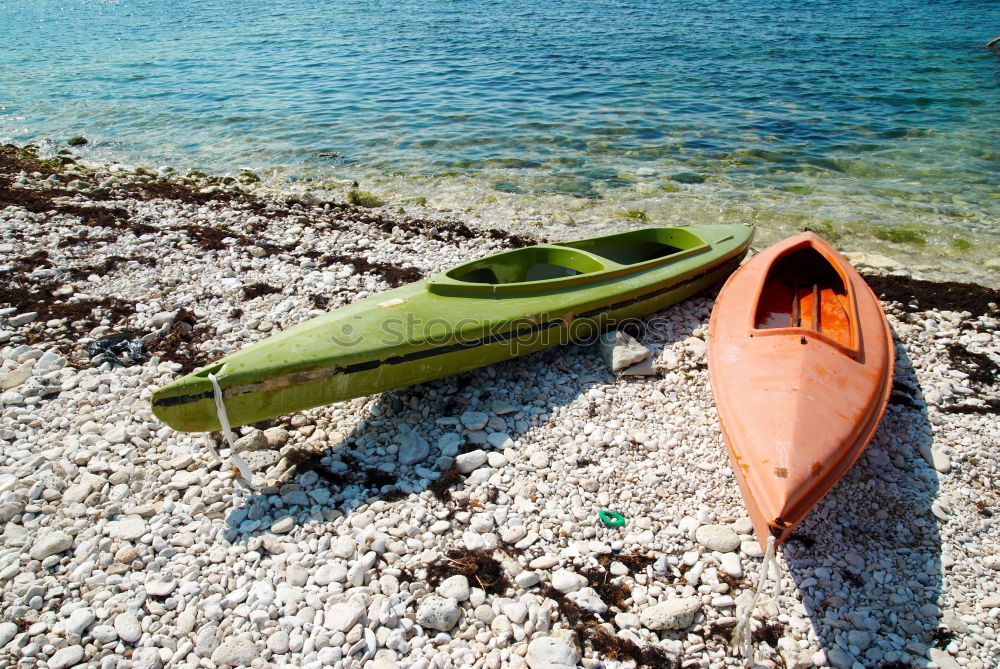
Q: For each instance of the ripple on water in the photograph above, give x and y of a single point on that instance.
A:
(873, 124)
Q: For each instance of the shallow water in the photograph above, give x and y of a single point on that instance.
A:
(873, 123)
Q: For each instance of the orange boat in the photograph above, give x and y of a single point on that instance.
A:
(800, 357)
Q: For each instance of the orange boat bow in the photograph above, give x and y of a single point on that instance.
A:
(800, 358)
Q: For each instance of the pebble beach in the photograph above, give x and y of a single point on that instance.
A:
(449, 524)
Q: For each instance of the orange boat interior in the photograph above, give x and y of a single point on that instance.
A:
(803, 290)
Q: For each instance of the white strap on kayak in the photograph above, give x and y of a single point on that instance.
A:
(220, 409)
(742, 639)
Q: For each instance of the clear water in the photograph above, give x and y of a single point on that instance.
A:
(874, 122)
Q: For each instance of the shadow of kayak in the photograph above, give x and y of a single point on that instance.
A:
(868, 560)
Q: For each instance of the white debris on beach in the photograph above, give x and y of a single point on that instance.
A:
(449, 524)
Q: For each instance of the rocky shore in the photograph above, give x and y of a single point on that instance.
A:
(453, 523)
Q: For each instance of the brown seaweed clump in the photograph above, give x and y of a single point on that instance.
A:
(253, 290)
(479, 566)
(441, 488)
(615, 593)
(181, 342)
(311, 461)
(615, 647)
(916, 294)
(589, 629)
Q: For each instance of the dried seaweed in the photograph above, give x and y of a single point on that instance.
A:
(610, 591)
(633, 561)
(991, 406)
(441, 487)
(980, 368)
(925, 295)
(391, 273)
(311, 461)
(479, 566)
(257, 289)
(376, 478)
(180, 343)
(768, 633)
(587, 628)
(454, 230)
(615, 647)
(943, 636)
(732, 582)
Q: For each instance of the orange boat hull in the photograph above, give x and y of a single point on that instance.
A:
(800, 357)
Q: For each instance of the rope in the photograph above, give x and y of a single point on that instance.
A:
(742, 639)
(234, 457)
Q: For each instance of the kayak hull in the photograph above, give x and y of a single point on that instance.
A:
(448, 324)
(801, 364)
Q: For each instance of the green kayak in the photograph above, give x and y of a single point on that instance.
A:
(476, 314)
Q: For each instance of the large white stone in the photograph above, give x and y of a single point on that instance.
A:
(551, 653)
(674, 614)
(116, 435)
(499, 440)
(696, 347)
(621, 350)
(439, 613)
(587, 598)
(720, 538)
(7, 632)
(474, 420)
(277, 642)
(468, 462)
(283, 525)
(160, 587)
(566, 581)
(455, 587)
(104, 633)
(17, 376)
(412, 449)
(50, 543)
(642, 368)
(513, 534)
(128, 528)
(731, 564)
(80, 620)
(331, 572)
(66, 657)
(449, 442)
(128, 628)
(344, 547)
(943, 659)
(296, 575)
(515, 611)
(343, 616)
(254, 441)
(235, 653)
(935, 458)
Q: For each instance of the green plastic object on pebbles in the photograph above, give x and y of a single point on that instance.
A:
(612, 519)
(485, 311)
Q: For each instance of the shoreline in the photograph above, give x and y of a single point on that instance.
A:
(926, 250)
(125, 542)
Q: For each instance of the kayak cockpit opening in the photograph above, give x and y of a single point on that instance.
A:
(803, 290)
(564, 266)
(639, 246)
(534, 263)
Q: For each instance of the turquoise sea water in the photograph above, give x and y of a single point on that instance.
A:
(875, 123)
